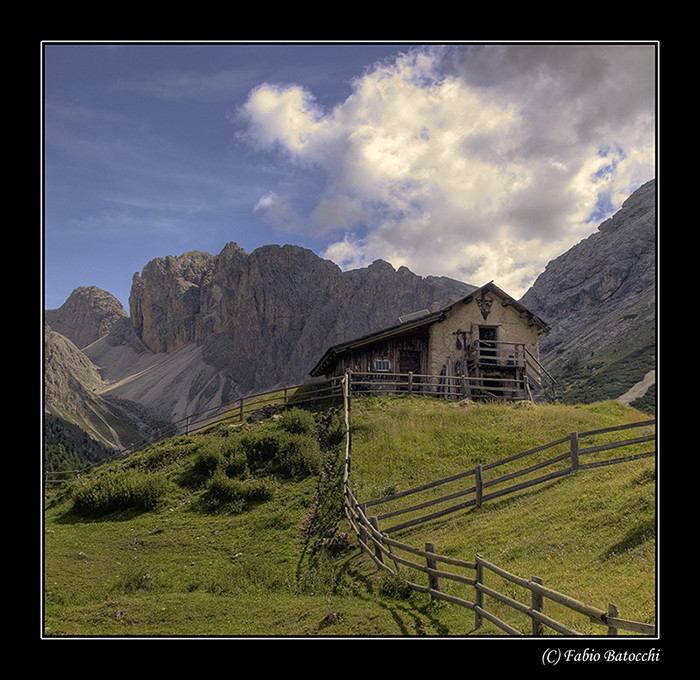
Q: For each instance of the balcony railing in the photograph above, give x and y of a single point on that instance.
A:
(492, 381)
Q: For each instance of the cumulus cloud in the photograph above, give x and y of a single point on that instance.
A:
(480, 163)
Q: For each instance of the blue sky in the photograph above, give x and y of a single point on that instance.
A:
(476, 161)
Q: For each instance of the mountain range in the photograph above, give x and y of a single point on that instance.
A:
(207, 329)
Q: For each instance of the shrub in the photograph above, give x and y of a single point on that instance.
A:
(236, 459)
(235, 495)
(299, 457)
(395, 587)
(281, 452)
(261, 446)
(336, 430)
(206, 459)
(119, 491)
(297, 421)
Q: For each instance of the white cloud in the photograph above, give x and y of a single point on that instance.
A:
(475, 163)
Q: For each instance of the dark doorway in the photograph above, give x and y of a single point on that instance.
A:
(409, 361)
(487, 344)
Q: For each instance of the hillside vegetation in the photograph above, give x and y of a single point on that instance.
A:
(239, 530)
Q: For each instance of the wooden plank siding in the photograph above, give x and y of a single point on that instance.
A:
(486, 336)
(406, 353)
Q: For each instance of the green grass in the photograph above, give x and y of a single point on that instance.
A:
(228, 542)
(590, 535)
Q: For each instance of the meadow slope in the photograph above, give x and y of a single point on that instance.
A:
(239, 530)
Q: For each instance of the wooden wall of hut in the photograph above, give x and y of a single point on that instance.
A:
(400, 354)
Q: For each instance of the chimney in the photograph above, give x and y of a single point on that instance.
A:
(434, 307)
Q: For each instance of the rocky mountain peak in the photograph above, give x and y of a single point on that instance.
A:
(206, 329)
(599, 299)
(87, 315)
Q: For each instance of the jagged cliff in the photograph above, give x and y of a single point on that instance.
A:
(87, 315)
(206, 329)
(72, 393)
(600, 301)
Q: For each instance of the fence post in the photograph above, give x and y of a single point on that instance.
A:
(478, 594)
(612, 613)
(377, 550)
(410, 382)
(433, 579)
(240, 408)
(537, 602)
(479, 485)
(361, 524)
(573, 438)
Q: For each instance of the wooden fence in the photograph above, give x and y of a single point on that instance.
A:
(449, 387)
(386, 551)
(310, 393)
(242, 408)
(500, 370)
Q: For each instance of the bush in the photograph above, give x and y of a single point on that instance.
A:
(297, 421)
(235, 495)
(236, 459)
(395, 587)
(119, 491)
(208, 460)
(261, 446)
(280, 452)
(299, 457)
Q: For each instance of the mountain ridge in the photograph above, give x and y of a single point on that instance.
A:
(206, 329)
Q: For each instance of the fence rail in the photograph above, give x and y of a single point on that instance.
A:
(569, 462)
(240, 409)
(385, 550)
(306, 393)
(521, 387)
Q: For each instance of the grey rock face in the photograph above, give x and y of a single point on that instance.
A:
(264, 318)
(87, 315)
(600, 296)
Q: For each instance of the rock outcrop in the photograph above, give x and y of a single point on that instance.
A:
(87, 315)
(263, 319)
(600, 301)
(206, 329)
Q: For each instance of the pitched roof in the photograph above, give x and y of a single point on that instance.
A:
(413, 323)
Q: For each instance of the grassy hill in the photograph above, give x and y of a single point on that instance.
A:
(239, 530)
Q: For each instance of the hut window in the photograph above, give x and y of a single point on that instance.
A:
(382, 365)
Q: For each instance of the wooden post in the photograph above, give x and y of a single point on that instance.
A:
(479, 485)
(573, 438)
(377, 550)
(613, 613)
(397, 564)
(187, 426)
(433, 579)
(537, 602)
(348, 402)
(478, 595)
(241, 410)
(410, 382)
(363, 531)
